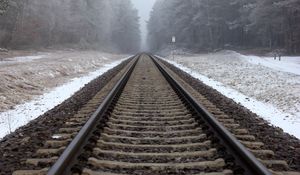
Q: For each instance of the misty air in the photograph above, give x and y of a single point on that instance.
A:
(149, 87)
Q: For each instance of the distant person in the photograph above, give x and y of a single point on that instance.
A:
(279, 56)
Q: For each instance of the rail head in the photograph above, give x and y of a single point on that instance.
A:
(64, 163)
(244, 158)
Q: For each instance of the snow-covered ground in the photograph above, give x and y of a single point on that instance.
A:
(32, 85)
(286, 64)
(268, 87)
(23, 78)
(22, 59)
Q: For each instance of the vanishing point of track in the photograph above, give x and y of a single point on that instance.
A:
(151, 122)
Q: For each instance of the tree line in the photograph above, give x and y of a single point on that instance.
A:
(107, 24)
(216, 24)
(3, 6)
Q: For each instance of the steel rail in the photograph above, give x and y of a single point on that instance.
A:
(65, 162)
(242, 156)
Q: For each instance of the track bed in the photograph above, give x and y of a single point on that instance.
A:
(148, 127)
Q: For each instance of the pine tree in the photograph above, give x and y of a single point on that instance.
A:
(219, 24)
(83, 23)
(3, 6)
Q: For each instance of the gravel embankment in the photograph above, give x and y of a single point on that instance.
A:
(19, 146)
(23, 78)
(285, 146)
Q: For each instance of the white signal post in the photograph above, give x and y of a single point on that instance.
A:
(173, 41)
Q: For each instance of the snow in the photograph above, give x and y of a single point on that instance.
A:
(22, 59)
(27, 58)
(287, 64)
(104, 58)
(22, 81)
(290, 123)
(24, 113)
(56, 137)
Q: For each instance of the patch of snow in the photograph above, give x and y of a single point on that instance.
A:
(56, 137)
(51, 75)
(23, 114)
(27, 58)
(287, 64)
(290, 123)
(22, 59)
(104, 58)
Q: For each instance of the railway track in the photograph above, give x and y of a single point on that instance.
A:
(152, 122)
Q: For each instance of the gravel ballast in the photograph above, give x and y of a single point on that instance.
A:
(19, 146)
(285, 146)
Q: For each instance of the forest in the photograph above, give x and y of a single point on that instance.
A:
(112, 25)
(207, 25)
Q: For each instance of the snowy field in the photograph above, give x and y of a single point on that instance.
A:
(32, 85)
(268, 87)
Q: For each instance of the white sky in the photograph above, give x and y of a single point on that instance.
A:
(144, 7)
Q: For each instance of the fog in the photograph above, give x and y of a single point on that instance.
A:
(108, 25)
(144, 7)
(121, 25)
(209, 25)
